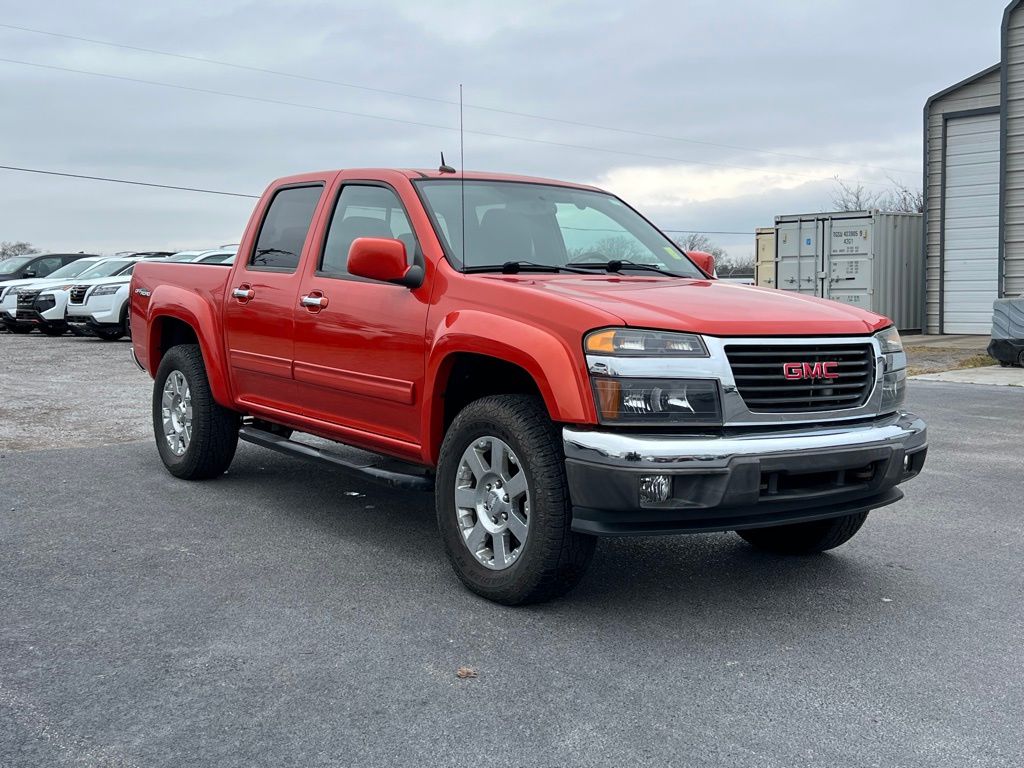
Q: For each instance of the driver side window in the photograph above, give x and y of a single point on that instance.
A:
(363, 211)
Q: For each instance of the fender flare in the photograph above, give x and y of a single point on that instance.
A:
(171, 301)
(558, 370)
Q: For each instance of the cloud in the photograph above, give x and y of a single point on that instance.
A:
(832, 86)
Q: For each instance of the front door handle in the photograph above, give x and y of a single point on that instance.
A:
(243, 292)
(314, 301)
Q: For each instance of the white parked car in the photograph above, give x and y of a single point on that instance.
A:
(50, 304)
(100, 307)
(24, 317)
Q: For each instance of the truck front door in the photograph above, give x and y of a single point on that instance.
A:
(359, 344)
(261, 296)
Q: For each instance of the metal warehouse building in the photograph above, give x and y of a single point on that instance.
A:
(974, 190)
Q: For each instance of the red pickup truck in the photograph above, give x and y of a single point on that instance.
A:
(538, 355)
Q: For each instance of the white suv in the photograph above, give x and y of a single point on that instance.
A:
(101, 306)
(52, 303)
(18, 310)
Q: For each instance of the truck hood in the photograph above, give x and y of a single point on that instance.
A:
(712, 307)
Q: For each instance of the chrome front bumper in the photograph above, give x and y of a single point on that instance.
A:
(750, 479)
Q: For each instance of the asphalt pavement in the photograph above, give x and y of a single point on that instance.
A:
(287, 615)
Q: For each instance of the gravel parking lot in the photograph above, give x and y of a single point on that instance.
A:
(286, 615)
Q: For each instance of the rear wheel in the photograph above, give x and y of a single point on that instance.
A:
(503, 503)
(20, 329)
(805, 538)
(196, 437)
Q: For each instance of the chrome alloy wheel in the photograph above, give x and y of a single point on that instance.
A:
(492, 502)
(176, 411)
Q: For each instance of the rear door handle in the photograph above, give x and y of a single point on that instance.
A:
(243, 292)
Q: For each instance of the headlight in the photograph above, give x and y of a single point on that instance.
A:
(105, 290)
(654, 402)
(894, 379)
(632, 342)
(889, 340)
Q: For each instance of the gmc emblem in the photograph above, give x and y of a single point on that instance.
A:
(810, 370)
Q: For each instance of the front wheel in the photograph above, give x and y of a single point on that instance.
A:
(805, 538)
(503, 503)
(109, 334)
(196, 437)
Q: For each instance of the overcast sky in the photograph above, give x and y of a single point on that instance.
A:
(797, 91)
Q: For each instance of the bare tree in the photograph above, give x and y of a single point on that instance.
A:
(847, 197)
(904, 199)
(730, 265)
(697, 241)
(9, 248)
(899, 198)
(610, 248)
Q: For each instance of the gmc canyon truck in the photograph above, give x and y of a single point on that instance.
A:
(549, 364)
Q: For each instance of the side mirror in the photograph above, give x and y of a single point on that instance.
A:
(704, 260)
(383, 258)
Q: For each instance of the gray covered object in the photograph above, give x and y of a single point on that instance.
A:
(1008, 318)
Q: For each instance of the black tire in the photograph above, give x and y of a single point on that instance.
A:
(553, 558)
(20, 329)
(109, 334)
(805, 538)
(51, 330)
(214, 427)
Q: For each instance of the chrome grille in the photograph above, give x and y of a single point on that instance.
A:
(78, 294)
(758, 371)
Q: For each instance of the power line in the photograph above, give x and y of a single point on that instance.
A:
(125, 181)
(420, 97)
(369, 116)
(136, 183)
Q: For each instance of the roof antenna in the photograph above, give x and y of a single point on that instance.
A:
(445, 168)
(462, 179)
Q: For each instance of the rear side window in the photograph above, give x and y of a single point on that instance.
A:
(45, 266)
(364, 211)
(284, 229)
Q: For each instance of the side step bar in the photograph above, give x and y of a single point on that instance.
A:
(406, 480)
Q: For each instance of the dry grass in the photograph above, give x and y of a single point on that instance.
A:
(933, 359)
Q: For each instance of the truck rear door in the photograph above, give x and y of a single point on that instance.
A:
(261, 296)
(359, 344)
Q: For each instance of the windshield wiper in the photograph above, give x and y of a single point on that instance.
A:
(514, 267)
(617, 265)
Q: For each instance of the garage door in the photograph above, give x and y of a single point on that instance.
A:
(970, 257)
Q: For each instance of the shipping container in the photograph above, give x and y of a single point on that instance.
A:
(764, 265)
(870, 259)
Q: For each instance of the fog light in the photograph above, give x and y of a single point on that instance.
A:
(655, 489)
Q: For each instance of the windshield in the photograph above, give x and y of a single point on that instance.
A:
(107, 268)
(74, 269)
(183, 256)
(14, 263)
(546, 225)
